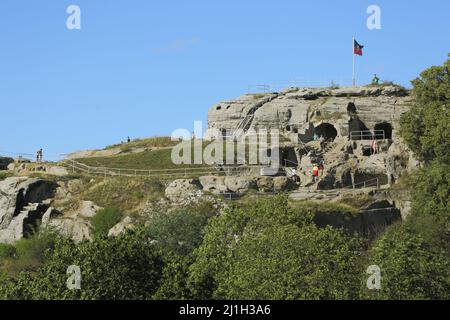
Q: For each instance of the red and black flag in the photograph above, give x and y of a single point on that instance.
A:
(357, 48)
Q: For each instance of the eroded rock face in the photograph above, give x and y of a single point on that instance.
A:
(214, 184)
(22, 205)
(183, 189)
(283, 184)
(370, 221)
(240, 184)
(76, 223)
(296, 110)
(121, 227)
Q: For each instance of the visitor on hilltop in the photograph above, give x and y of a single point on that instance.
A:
(128, 139)
(39, 155)
(375, 80)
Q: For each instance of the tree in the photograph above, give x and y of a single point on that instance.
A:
(290, 263)
(410, 268)
(425, 126)
(125, 267)
(269, 250)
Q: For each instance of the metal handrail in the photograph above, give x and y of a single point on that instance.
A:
(368, 133)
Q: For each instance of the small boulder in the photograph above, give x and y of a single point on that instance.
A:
(283, 184)
(265, 184)
(240, 184)
(121, 227)
(181, 189)
(213, 184)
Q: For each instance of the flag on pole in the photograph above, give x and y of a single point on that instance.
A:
(357, 48)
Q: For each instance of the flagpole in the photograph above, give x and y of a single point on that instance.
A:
(353, 54)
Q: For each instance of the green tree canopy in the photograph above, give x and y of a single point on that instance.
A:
(410, 267)
(270, 250)
(425, 126)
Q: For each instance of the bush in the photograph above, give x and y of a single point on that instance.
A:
(7, 251)
(104, 220)
(124, 267)
(181, 230)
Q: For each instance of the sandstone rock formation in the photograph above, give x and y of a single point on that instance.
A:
(299, 112)
(22, 206)
(75, 223)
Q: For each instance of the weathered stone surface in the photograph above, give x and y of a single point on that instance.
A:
(370, 221)
(183, 189)
(57, 171)
(213, 184)
(74, 228)
(18, 192)
(240, 184)
(265, 184)
(121, 227)
(75, 223)
(296, 111)
(283, 184)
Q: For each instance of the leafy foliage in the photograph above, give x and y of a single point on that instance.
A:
(411, 269)
(126, 267)
(425, 126)
(271, 251)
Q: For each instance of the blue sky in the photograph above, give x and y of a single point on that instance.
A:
(144, 68)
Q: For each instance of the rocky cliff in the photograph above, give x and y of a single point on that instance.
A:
(299, 112)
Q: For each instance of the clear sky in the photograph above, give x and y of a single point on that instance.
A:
(144, 68)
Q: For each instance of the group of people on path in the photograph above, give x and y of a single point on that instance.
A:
(316, 168)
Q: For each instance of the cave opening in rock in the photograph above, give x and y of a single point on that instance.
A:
(351, 108)
(386, 127)
(328, 131)
(368, 151)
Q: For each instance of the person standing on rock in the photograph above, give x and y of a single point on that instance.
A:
(40, 155)
(315, 173)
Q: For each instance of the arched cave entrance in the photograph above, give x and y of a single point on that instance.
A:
(386, 127)
(328, 131)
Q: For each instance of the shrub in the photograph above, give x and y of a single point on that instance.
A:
(7, 251)
(180, 230)
(124, 267)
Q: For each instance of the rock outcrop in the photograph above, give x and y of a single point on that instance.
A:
(22, 206)
(299, 112)
(75, 223)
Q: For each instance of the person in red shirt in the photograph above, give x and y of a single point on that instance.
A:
(315, 173)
